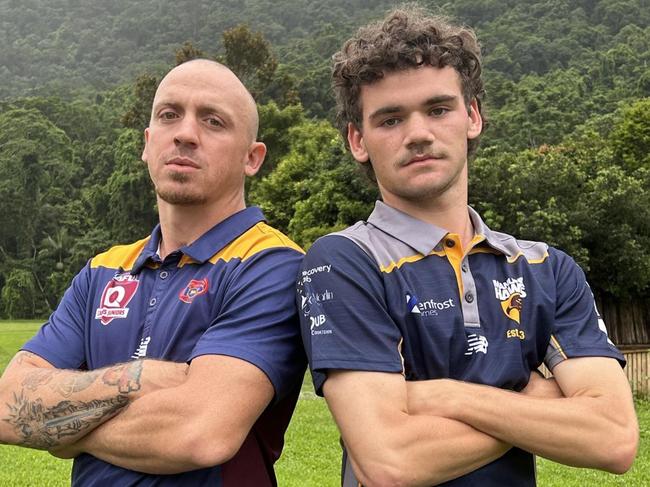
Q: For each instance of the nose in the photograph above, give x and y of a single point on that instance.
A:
(186, 132)
(419, 131)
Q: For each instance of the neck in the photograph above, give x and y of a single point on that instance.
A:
(447, 211)
(181, 225)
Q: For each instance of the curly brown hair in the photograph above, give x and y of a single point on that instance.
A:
(407, 38)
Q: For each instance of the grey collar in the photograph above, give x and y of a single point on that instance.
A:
(425, 237)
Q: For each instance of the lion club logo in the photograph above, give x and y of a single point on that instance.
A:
(116, 296)
(193, 289)
(511, 293)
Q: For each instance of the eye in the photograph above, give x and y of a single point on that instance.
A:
(214, 122)
(390, 122)
(168, 115)
(438, 111)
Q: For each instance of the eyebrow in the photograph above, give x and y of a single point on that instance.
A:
(202, 110)
(434, 100)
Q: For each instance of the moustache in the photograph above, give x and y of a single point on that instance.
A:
(419, 156)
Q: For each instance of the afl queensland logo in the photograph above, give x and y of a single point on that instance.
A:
(116, 296)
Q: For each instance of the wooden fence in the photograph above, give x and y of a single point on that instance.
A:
(637, 370)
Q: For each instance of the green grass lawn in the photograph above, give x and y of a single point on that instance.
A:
(312, 454)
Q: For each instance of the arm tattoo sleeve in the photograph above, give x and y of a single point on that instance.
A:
(44, 424)
(41, 427)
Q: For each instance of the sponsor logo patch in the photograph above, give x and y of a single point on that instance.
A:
(142, 349)
(116, 296)
(194, 288)
(476, 344)
(307, 273)
(430, 307)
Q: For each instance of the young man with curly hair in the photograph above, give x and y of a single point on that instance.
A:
(423, 326)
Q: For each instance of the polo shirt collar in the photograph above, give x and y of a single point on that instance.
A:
(211, 242)
(495, 240)
(415, 233)
(422, 236)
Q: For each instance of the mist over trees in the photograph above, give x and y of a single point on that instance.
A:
(565, 159)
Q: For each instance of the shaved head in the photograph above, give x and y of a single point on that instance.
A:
(201, 141)
(221, 76)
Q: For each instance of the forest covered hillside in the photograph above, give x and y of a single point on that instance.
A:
(565, 158)
(569, 58)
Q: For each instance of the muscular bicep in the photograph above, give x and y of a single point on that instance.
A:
(240, 389)
(588, 376)
(598, 377)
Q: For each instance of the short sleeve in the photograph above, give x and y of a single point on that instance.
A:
(61, 339)
(578, 330)
(344, 317)
(258, 320)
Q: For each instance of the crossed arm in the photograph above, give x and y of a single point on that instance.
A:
(594, 425)
(44, 407)
(428, 432)
(199, 423)
(177, 419)
(389, 445)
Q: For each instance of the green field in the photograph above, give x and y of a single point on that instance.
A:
(312, 453)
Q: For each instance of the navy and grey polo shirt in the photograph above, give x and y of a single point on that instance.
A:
(228, 293)
(396, 294)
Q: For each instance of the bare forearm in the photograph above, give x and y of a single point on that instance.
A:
(569, 430)
(144, 438)
(43, 407)
(438, 449)
(389, 443)
(198, 423)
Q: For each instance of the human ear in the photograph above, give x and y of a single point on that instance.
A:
(256, 154)
(475, 121)
(357, 145)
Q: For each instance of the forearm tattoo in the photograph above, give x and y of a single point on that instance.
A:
(43, 427)
(126, 377)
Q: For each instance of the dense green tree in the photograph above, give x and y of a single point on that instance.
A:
(315, 189)
(36, 172)
(19, 295)
(128, 200)
(631, 137)
(576, 197)
(250, 56)
(187, 52)
(138, 113)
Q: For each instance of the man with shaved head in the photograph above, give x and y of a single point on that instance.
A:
(175, 360)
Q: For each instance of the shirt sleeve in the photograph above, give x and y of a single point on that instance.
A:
(258, 320)
(61, 339)
(344, 317)
(578, 331)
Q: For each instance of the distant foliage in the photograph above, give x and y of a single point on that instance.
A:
(566, 159)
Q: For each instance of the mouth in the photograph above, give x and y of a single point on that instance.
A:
(181, 164)
(421, 158)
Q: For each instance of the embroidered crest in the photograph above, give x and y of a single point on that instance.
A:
(194, 288)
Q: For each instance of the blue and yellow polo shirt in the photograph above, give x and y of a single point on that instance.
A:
(228, 293)
(396, 294)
